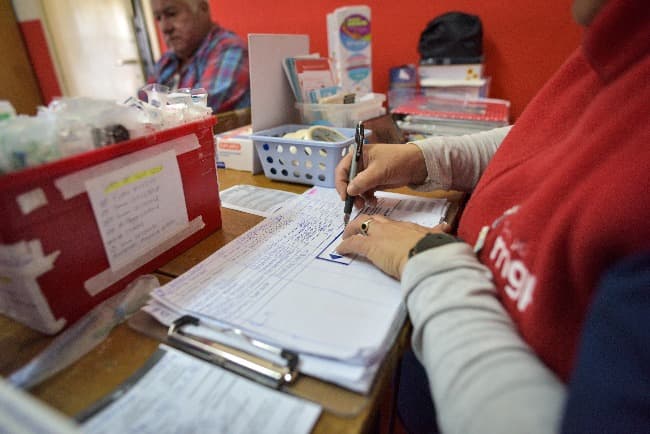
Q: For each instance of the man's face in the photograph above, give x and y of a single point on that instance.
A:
(183, 29)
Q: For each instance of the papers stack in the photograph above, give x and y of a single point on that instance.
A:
(283, 283)
(449, 115)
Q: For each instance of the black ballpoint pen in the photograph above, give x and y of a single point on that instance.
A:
(354, 166)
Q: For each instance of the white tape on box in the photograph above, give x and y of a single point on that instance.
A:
(74, 184)
(31, 200)
(21, 296)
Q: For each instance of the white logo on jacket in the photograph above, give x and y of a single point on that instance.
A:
(520, 282)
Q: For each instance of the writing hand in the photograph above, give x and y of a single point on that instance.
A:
(384, 166)
(387, 242)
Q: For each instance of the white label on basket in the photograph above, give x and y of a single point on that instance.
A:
(73, 184)
(138, 207)
(21, 296)
(31, 200)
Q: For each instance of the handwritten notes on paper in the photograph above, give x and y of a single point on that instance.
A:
(424, 211)
(138, 206)
(270, 283)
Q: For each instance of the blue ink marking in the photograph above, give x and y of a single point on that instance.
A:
(332, 258)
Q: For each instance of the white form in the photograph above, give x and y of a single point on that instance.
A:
(183, 394)
(270, 283)
(254, 200)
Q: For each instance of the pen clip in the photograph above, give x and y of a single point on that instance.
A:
(355, 165)
(359, 137)
(274, 373)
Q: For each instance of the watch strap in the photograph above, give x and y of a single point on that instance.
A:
(430, 241)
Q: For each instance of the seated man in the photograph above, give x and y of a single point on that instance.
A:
(201, 54)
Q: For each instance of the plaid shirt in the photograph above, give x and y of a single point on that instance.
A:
(220, 65)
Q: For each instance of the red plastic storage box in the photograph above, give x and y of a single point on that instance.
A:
(76, 231)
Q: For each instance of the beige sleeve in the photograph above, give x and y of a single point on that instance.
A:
(457, 162)
(483, 377)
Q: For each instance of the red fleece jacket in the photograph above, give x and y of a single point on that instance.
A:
(566, 193)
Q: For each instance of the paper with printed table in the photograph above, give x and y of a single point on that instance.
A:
(283, 283)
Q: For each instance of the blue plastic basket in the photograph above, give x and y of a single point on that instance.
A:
(300, 161)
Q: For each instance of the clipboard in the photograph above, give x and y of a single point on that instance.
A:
(276, 371)
(333, 398)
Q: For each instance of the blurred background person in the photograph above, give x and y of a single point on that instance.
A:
(201, 54)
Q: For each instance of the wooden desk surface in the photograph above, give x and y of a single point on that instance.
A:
(125, 350)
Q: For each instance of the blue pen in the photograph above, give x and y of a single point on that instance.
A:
(354, 166)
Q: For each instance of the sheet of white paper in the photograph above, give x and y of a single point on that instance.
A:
(351, 376)
(272, 100)
(254, 200)
(20, 413)
(138, 206)
(182, 393)
(271, 283)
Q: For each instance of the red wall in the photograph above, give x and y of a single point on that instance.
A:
(41, 59)
(524, 41)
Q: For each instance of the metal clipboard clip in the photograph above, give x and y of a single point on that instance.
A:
(280, 371)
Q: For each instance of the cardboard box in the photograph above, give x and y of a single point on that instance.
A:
(236, 151)
(76, 231)
(230, 120)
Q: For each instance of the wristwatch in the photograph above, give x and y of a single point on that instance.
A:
(430, 241)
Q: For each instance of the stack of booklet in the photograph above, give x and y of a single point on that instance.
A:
(441, 114)
(282, 289)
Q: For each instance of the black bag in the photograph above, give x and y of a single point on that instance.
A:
(454, 37)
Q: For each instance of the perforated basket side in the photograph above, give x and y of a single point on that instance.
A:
(304, 162)
(300, 161)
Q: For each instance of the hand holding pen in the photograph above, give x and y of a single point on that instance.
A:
(355, 166)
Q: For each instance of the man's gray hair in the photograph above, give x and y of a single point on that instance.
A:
(194, 4)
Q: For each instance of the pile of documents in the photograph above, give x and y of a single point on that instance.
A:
(282, 283)
(440, 114)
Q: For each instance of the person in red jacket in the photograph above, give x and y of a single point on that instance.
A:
(556, 199)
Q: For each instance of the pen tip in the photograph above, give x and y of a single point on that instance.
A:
(346, 219)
